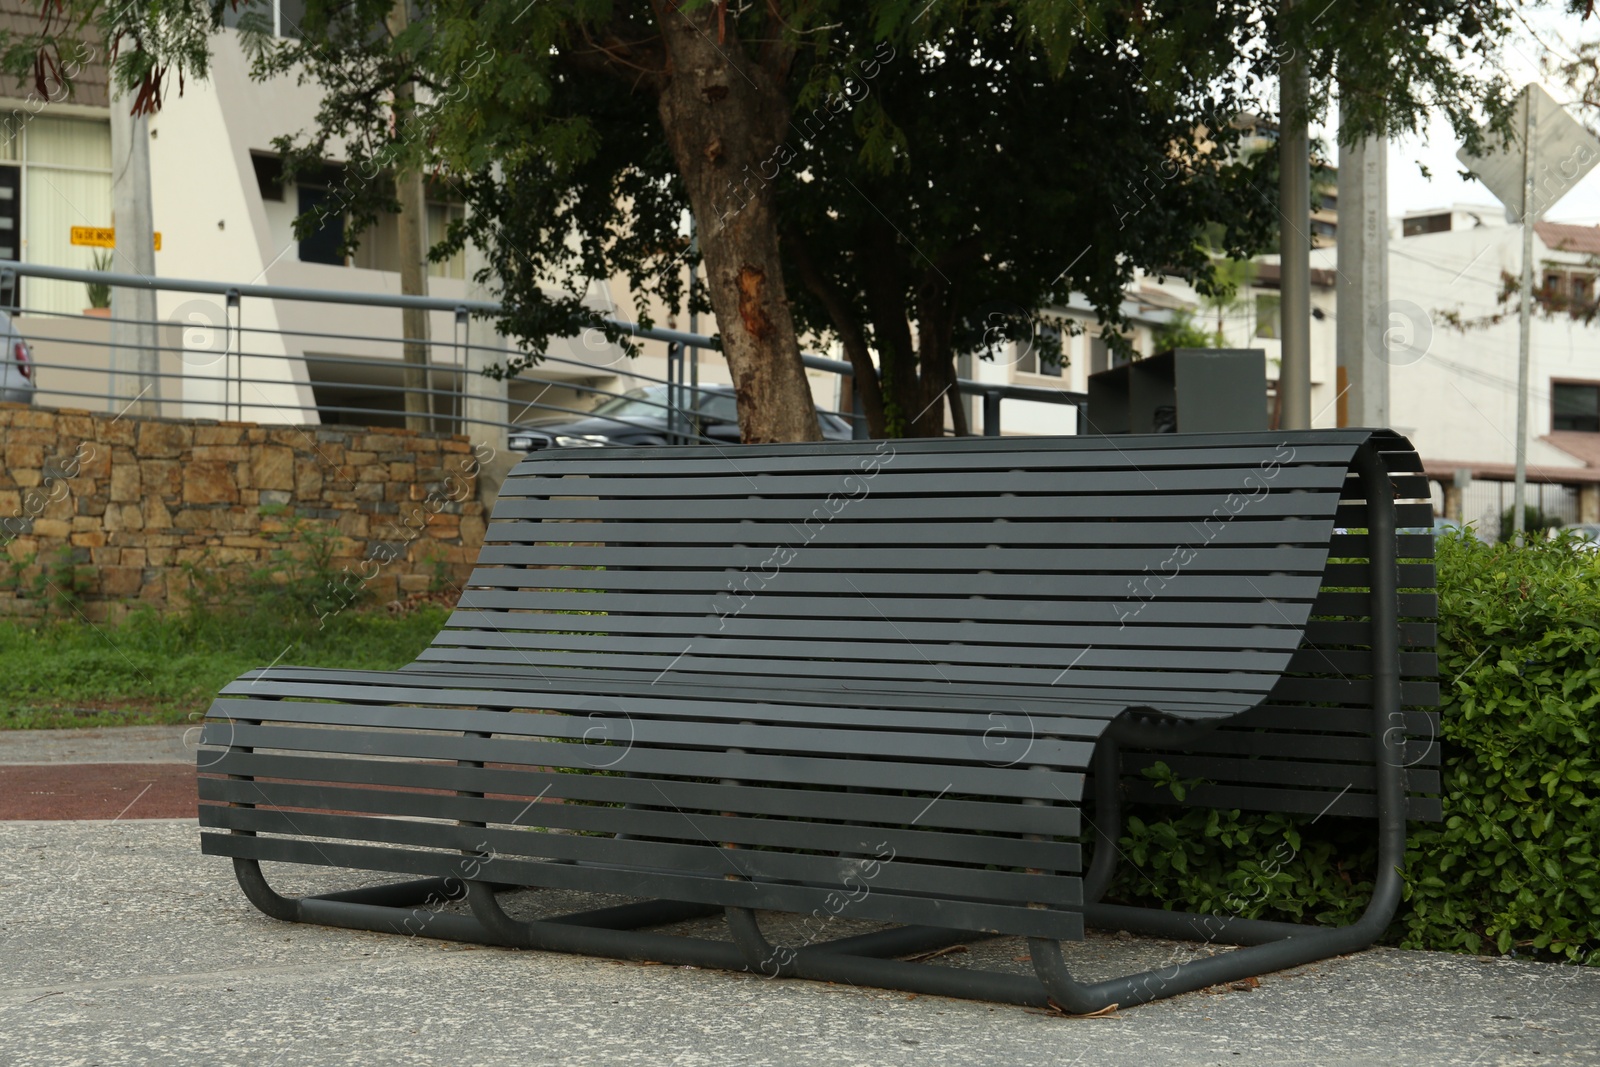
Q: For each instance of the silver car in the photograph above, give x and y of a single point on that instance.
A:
(16, 365)
(1587, 534)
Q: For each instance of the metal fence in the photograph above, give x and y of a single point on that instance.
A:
(245, 352)
(1485, 504)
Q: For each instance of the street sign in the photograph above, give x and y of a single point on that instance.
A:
(101, 237)
(1549, 153)
(1563, 152)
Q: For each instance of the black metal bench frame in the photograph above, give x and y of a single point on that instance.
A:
(622, 932)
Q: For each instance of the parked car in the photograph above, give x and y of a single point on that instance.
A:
(639, 417)
(16, 365)
(1443, 525)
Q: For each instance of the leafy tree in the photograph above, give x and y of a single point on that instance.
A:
(996, 170)
(1184, 332)
(910, 177)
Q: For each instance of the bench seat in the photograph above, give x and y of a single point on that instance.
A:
(866, 680)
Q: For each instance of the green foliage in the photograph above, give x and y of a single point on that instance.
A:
(162, 666)
(1184, 332)
(1517, 861)
(1228, 863)
(297, 586)
(299, 581)
(62, 581)
(1515, 865)
(99, 293)
(168, 667)
(438, 563)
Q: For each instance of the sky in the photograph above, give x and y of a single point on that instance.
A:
(1545, 32)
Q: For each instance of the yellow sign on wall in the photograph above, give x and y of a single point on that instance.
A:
(101, 236)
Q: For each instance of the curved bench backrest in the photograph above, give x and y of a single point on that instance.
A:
(1175, 572)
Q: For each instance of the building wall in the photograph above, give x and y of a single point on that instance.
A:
(1455, 392)
(133, 501)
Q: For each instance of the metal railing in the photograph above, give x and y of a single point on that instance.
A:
(223, 381)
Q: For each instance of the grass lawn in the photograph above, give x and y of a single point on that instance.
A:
(167, 669)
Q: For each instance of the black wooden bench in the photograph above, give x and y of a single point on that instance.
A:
(866, 681)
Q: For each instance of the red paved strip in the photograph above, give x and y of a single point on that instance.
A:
(97, 791)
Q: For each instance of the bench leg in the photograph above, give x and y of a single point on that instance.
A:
(1272, 946)
(407, 908)
(607, 932)
(835, 961)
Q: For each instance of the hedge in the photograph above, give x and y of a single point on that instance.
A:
(1515, 865)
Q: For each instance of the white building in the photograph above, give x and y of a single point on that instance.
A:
(1453, 389)
(223, 215)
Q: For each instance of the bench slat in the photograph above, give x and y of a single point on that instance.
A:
(951, 812)
(660, 822)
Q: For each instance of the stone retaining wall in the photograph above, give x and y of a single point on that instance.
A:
(126, 502)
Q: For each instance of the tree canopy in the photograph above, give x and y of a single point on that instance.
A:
(912, 178)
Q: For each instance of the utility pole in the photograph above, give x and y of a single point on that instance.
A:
(1294, 237)
(1363, 284)
(135, 358)
(413, 248)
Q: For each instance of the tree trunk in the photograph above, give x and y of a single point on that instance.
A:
(884, 276)
(724, 114)
(936, 361)
(413, 256)
(851, 332)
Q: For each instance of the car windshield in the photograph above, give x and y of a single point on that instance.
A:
(651, 402)
(717, 405)
(636, 403)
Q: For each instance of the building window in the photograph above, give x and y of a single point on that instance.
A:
(1581, 289)
(1099, 354)
(379, 246)
(1043, 355)
(1269, 315)
(322, 246)
(280, 18)
(1415, 227)
(1575, 406)
(1552, 283)
(440, 216)
(58, 175)
(269, 176)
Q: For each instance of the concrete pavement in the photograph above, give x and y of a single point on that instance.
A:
(121, 944)
(112, 744)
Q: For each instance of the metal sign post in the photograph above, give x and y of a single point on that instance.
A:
(1530, 124)
(1549, 153)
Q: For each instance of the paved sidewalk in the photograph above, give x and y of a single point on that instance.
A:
(127, 772)
(112, 744)
(123, 945)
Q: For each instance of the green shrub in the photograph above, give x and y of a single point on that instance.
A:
(296, 588)
(62, 581)
(1515, 865)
